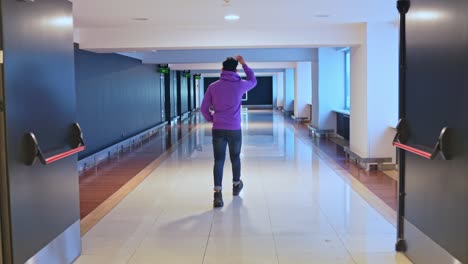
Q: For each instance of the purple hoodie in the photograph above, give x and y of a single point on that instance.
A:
(225, 95)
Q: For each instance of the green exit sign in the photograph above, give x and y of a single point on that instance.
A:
(164, 70)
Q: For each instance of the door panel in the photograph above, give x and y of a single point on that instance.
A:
(436, 94)
(40, 97)
(3, 190)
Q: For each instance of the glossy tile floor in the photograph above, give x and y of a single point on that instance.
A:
(98, 184)
(294, 208)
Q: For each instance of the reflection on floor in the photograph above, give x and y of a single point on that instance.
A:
(296, 207)
(380, 183)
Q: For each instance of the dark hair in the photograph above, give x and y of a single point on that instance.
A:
(230, 64)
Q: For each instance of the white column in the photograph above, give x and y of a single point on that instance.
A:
(303, 89)
(374, 91)
(289, 90)
(201, 92)
(280, 90)
(197, 93)
(358, 106)
(382, 87)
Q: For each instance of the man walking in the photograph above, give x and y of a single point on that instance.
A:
(225, 98)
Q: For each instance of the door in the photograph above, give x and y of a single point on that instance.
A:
(174, 96)
(39, 97)
(162, 97)
(189, 94)
(195, 93)
(436, 197)
(3, 190)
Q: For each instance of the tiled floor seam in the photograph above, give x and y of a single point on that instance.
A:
(208, 239)
(337, 234)
(271, 225)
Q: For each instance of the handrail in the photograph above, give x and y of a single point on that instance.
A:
(440, 147)
(64, 155)
(34, 152)
(416, 151)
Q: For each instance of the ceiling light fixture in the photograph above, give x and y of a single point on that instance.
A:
(322, 15)
(229, 12)
(140, 18)
(232, 17)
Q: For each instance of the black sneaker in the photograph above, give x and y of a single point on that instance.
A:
(236, 189)
(218, 199)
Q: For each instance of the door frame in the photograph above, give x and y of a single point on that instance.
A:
(167, 97)
(179, 93)
(5, 238)
(162, 94)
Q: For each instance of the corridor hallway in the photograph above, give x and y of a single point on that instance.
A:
(295, 208)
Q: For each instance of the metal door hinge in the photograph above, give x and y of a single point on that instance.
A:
(2, 107)
(1, 56)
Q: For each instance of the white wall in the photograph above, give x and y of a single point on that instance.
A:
(315, 94)
(331, 87)
(303, 88)
(280, 91)
(382, 87)
(289, 89)
(219, 55)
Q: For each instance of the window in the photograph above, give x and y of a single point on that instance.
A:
(347, 102)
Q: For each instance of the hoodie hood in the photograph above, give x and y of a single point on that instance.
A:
(230, 76)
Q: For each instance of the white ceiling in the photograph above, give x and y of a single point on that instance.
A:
(109, 25)
(210, 13)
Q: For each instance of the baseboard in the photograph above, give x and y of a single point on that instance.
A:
(422, 249)
(370, 164)
(287, 112)
(185, 115)
(116, 149)
(339, 140)
(299, 119)
(258, 106)
(320, 133)
(63, 249)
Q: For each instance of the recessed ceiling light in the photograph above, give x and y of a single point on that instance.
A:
(232, 17)
(322, 15)
(140, 18)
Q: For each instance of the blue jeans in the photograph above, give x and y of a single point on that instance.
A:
(222, 138)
